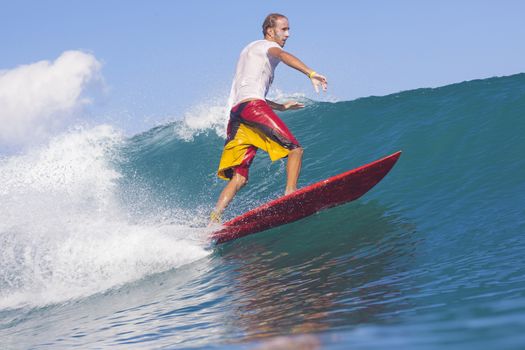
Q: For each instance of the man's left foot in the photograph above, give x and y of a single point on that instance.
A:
(215, 218)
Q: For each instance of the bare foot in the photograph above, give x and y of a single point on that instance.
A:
(288, 191)
(215, 218)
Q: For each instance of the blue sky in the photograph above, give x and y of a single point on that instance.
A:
(160, 58)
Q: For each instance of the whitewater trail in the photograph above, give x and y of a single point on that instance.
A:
(65, 233)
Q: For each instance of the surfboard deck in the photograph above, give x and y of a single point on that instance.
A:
(308, 200)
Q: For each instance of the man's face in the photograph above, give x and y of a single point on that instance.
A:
(280, 32)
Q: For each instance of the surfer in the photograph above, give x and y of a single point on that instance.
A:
(252, 123)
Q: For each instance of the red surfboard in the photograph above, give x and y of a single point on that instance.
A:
(308, 200)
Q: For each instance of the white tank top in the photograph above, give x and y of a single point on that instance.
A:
(254, 72)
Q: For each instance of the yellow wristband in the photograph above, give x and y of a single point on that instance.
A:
(312, 74)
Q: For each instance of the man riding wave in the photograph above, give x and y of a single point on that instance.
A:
(253, 124)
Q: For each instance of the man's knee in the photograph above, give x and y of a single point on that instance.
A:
(297, 151)
(240, 181)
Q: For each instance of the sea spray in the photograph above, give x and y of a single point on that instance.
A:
(64, 233)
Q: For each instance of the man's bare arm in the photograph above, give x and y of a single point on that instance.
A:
(285, 106)
(290, 60)
(294, 62)
(275, 105)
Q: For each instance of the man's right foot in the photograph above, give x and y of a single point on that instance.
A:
(287, 192)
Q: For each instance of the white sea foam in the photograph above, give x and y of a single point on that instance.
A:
(63, 232)
(210, 115)
(281, 96)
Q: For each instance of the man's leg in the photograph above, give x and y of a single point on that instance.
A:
(293, 168)
(227, 194)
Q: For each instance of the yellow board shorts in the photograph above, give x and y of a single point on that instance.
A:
(253, 125)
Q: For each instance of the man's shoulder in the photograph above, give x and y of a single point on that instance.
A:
(262, 44)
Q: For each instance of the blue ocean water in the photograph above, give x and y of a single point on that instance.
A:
(102, 242)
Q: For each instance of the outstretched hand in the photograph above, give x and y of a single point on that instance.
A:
(292, 105)
(319, 80)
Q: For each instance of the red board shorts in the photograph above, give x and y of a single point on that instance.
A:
(253, 125)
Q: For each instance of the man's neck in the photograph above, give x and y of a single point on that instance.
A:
(269, 39)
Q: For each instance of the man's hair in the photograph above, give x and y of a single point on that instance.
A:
(270, 21)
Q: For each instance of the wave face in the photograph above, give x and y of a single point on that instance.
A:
(106, 225)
